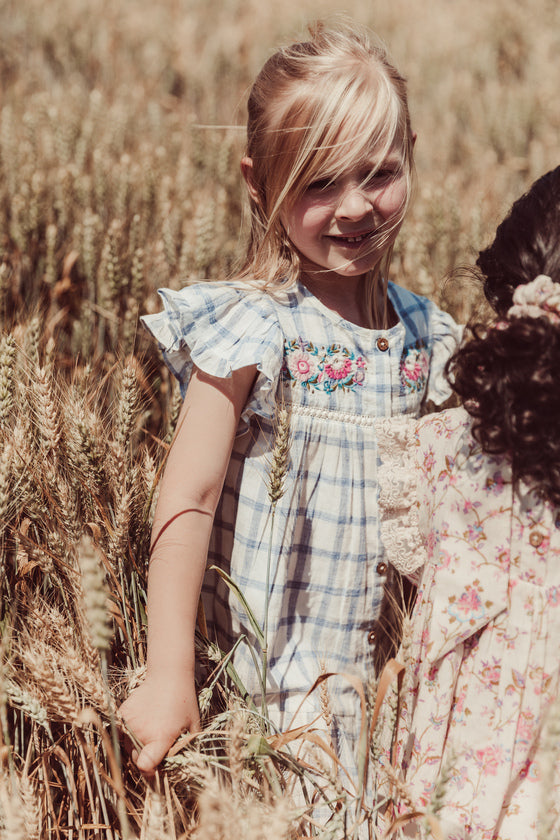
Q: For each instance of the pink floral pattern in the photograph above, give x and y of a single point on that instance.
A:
(415, 365)
(483, 665)
(322, 368)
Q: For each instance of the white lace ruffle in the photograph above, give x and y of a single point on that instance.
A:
(398, 496)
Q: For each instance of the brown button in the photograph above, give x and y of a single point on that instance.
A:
(381, 568)
(371, 637)
(536, 539)
(382, 344)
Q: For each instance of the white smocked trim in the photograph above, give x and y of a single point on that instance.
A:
(337, 416)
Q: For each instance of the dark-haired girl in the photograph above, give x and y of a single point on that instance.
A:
(481, 521)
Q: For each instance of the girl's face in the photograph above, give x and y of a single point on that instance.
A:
(334, 223)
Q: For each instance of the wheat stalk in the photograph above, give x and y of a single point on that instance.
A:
(7, 375)
(277, 473)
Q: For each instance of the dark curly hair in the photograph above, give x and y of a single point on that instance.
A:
(509, 378)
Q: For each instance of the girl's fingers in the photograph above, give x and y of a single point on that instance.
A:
(151, 756)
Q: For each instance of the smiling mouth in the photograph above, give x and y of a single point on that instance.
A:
(351, 240)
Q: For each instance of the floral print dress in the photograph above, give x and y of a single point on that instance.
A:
(483, 664)
(327, 573)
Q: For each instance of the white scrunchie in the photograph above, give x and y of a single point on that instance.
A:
(540, 297)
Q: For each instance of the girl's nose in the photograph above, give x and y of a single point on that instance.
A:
(353, 204)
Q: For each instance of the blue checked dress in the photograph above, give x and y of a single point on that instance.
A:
(327, 568)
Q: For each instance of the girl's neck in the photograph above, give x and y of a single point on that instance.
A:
(347, 297)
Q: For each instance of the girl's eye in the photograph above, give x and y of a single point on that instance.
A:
(377, 176)
(320, 185)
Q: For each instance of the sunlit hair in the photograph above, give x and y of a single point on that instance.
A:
(508, 375)
(316, 110)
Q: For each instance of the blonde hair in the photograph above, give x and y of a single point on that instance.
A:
(316, 109)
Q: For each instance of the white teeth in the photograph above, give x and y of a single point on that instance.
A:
(353, 238)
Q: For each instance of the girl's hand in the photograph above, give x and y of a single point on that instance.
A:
(156, 713)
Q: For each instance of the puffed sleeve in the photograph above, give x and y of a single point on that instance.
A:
(446, 337)
(398, 480)
(221, 328)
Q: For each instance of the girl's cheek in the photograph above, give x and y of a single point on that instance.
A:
(392, 199)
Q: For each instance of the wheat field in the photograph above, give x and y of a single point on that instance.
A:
(121, 128)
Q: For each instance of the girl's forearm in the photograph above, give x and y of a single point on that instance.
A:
(176, 571)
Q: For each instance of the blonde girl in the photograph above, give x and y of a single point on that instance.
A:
(313, 324)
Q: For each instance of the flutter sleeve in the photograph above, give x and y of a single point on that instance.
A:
(398, 479)
(446, 337)
(221, 328)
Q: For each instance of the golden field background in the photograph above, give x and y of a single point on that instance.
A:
(121, 127)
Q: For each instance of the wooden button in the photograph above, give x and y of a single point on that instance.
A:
(372, 636)
(381, 568)
(536, 539)
(382, 344)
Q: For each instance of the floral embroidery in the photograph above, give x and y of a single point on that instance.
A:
(302, 366)
(469, 606)
(490, 672)
(489, 759)
(415, 364)
(322, 368)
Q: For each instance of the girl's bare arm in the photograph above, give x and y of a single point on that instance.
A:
(165, 704)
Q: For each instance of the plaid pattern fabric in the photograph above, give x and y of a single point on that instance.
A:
(327, 570)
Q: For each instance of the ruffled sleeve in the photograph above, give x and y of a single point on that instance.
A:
(221, 328)
(446, 338)
(399, 495)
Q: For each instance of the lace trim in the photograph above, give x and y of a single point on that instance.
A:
(398, 496)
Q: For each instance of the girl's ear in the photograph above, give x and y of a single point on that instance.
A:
(247, 172)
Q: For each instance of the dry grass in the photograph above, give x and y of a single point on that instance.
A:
(119, 141)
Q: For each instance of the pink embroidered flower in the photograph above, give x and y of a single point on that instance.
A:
(338, 367)
(302, 365)
(489, 759)
(469, 601)
(415, 365)
(445, 558)
(490, 672)
(468, 607)
(414, 368)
